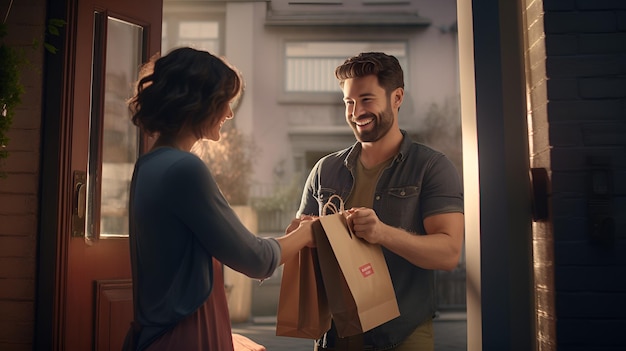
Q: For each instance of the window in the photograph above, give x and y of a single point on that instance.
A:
(114, 140)
(201, 34)
(310, 65)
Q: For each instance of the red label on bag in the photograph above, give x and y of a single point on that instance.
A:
(366, 270)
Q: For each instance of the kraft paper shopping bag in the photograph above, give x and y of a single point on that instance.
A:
(355, 274)
(302, 305)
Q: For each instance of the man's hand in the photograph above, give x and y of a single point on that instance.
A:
(242, 343)
(439, 249)
(365, 224)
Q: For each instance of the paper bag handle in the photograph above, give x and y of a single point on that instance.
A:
(330, 205)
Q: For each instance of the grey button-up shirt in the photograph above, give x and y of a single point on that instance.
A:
(418, 183)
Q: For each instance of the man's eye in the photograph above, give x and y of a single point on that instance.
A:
(349, 102)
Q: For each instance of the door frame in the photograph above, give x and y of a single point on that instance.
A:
(501, 313)
(55, 203)
(56, 192)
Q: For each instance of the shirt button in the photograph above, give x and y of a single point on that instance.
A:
(402, 193)
(377, 197)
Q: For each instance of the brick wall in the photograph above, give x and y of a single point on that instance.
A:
(539, 151)
(585, 46)
(19, 191)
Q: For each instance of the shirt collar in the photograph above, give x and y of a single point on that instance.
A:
(352, 157)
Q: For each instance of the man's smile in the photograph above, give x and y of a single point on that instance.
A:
(363, 122)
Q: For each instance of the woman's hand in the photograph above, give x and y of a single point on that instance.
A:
(299, 234)
(303, 224)
(242, 343)
(295, 223)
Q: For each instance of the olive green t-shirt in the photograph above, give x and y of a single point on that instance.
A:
(365, 185)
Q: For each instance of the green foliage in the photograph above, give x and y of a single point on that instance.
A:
(230, 162)
(442, 131)
(283, 198)
(11, 90)
(12, 62)
(53, 28)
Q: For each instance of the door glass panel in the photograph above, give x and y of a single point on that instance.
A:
(114, 140)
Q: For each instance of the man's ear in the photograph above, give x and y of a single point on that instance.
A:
(396, 97)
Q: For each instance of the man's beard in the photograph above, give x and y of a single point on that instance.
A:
(382, 124)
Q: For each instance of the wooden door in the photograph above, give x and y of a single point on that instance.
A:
(109, 40)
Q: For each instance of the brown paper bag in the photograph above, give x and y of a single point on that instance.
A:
(356, 278)
(302, 305)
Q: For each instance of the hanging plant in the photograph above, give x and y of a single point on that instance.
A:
(12, 62)
(11, 90)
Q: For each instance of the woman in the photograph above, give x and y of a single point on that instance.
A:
(181, 227)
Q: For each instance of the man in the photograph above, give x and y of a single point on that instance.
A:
(402, 195)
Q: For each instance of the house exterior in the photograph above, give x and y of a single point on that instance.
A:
(292, 108)
(543, 122)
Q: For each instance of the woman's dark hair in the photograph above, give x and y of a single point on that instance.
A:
(385, 67)
(186, 86)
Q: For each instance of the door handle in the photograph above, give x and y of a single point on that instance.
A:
(79, 203)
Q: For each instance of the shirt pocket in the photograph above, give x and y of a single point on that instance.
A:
(402, 204)
(406, 192)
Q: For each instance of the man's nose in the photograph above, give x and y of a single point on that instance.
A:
(357, 110)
